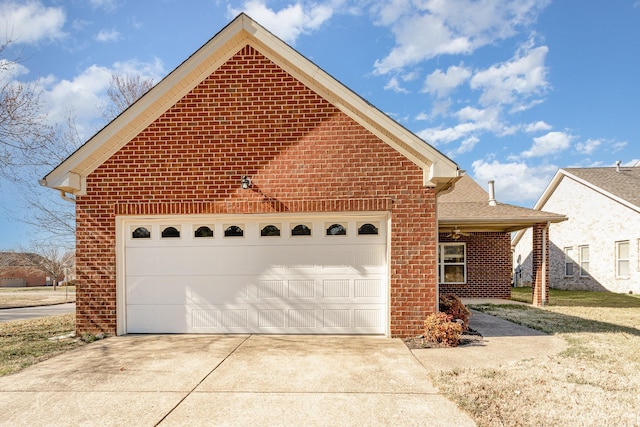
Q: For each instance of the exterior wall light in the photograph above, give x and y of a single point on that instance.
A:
(245, 182)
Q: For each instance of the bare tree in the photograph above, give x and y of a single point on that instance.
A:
(23, 125)
(124, 90)
(27, 160)
(52, 260)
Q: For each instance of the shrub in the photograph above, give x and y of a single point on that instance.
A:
(441, 328)
(452, 305)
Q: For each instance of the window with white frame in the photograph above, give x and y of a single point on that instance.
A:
(568, 262)
(583, 252)
(452, 263)
(622, 259)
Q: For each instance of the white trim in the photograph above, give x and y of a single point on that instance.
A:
(438, 169)
(125, 222)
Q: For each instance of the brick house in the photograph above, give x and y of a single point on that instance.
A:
(19, 270)
(250, 192)
(474, 227)
(597, 248)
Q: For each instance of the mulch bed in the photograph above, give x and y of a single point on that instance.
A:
(468, 338)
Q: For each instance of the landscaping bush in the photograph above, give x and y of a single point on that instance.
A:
(452, 305)
(442, 329)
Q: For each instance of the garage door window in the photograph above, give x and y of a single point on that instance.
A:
(301, 230)
(141, 233)
(367, 229)
(233, 231)
(203, 231)
(336, 230)
(270, 231)
(170, 232)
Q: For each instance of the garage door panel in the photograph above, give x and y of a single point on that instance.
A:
(157, 290)
(305, 284)
(219, 289)
(171, 319)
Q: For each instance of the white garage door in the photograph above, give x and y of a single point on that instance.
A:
(251, 274)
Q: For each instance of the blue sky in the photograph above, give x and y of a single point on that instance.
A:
(511, 90)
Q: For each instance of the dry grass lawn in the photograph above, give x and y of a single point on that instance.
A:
(595, 382)
(29, 297)
(25, 342)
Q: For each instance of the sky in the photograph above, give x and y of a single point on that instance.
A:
(511, 90)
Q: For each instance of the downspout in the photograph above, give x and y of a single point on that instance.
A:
(64, 196)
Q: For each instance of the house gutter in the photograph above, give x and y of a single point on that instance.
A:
(64, 196)
(63, 193)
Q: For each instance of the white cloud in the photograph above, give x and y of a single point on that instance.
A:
(589, 146)
(473, 122)
(550, 143)
(515, 182)
(108, 5)
(436, 27)
(84, 95)
(108, 36)
(30, 22)
(288, 23)
(515, 81)
(465, 146)
(394, 85)
(617, 146)
(11, 70)
(441, 83)
(539, 126)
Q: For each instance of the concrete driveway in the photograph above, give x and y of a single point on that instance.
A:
(209, 380)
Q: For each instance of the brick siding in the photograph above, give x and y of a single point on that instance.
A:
(488, 266)
(302, 154)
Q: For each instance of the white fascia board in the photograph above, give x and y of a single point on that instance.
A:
(240, 32)
(148, 108)
(70, 182)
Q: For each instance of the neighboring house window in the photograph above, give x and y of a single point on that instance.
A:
(622, 259)
(584, 260)
(568, 262)
(452, 266)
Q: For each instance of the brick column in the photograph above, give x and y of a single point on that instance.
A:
(540, 264)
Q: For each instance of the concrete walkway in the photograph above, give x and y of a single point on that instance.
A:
(503, 343)
(228, 380)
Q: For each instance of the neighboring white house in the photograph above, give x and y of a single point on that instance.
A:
(598, 248)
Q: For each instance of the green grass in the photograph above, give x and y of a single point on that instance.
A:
(558, 297)
(26, 342)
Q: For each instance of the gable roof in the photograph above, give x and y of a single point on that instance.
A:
(70, 175)
(619, 184)
(467, 208)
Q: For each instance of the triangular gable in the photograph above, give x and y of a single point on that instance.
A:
(439, 171)
(567, 174)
